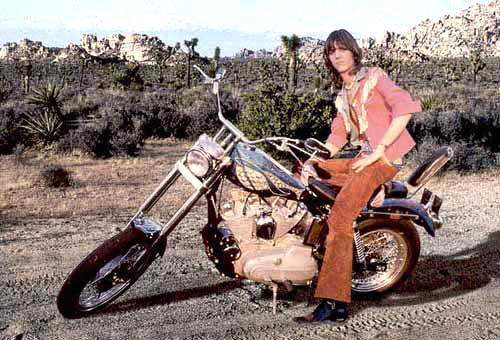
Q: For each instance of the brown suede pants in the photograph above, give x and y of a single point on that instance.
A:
(334, 280)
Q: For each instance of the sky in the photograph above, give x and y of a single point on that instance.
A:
(229, 24)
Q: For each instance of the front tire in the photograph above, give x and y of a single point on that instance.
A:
(104, 274)
(392, 249)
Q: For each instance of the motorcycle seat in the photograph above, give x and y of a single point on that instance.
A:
(325, 191)
(328, 192)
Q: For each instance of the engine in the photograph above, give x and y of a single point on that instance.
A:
(262, 239)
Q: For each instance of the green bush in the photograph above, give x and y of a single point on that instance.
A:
(272, 111)
(127, 78)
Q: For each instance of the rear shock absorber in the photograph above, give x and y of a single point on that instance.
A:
(359, 248)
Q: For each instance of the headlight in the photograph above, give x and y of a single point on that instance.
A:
(198, 162)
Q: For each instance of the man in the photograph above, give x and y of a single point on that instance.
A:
(372, 111)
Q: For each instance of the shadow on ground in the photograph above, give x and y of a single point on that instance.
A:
(171, 297)
(436, 278)
(441, 277)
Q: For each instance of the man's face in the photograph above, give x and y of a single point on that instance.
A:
(341, 58)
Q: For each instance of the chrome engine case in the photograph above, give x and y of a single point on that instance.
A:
(283, 258)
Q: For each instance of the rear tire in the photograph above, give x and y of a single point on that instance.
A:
(392, 250)
(105, 274)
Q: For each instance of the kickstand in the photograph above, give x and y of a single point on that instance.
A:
(274, 287)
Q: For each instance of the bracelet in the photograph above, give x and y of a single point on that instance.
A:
(381, 144)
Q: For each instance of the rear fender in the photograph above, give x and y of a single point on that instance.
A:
(394, 208)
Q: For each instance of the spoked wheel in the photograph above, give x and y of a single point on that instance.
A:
(392, 249)
(104, 274)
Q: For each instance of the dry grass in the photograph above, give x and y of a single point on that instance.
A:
(116, 186)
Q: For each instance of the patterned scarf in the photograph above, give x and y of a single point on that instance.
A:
(342, 101)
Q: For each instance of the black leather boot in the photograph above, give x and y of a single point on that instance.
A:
(327, 310)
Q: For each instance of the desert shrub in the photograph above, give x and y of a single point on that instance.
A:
(11, 134)
(5, 89)
(199, 108)
(474, 136)
(159, 115)
(465, 158)
(272, 111)
(79, 107)
(55, 176)
(469, 157)
(92, 139)
(481, 128)
(114, 132)
(127, 78)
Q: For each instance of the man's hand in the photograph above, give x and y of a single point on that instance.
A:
(363, 162)
(308, 171)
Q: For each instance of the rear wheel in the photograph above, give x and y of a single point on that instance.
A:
(104, 274)
(392, 249)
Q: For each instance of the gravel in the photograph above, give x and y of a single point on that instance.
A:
(453, 294)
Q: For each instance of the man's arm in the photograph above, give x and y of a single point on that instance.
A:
(397, 126)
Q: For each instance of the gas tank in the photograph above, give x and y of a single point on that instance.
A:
(257, 172)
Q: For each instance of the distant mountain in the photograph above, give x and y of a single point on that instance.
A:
(230, 41)
(450, 36)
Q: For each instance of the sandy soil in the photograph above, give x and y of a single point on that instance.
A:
(453, 294)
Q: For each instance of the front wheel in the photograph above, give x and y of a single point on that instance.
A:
(104, 274)
(392, 249)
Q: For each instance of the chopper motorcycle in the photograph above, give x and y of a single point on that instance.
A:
(270, 229)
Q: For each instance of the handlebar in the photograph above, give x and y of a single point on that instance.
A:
(311, 146)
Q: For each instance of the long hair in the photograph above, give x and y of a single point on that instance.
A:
(344, 38)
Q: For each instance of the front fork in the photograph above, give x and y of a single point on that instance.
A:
(153, 230)
(171, 178)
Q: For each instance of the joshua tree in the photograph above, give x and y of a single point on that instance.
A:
(190, 44)
(214, 65)
(476, 62)
(477, 55)
(291, 45)
(160, 54)
(28, 68)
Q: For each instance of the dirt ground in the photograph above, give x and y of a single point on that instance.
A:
(44, 233)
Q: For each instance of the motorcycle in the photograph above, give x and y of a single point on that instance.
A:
(269, 228)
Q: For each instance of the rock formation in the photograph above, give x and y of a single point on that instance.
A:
(450, 36)
(134, 47)
(24, 50)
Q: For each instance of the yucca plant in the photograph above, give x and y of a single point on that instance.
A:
(428, 102)
(48, 96)
(44, 127)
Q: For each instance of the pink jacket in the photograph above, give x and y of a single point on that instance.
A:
(376, 101)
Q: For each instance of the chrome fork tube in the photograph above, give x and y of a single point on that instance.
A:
(170, 179)
(188, 204)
